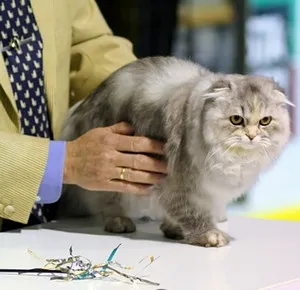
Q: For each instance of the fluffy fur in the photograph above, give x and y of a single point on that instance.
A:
(211, 161)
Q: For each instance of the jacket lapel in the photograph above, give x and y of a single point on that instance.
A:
(54, 24)
(5, 83)
(43, 12)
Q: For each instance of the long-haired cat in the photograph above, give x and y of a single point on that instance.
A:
(220, 131)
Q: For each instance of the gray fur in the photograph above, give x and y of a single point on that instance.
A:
(210, 161)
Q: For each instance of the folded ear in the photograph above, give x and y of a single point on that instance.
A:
(217, 89)
(282, 98)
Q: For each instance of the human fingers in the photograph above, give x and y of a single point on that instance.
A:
(138, 144)
(128, 187)
(140, 162)
(122, 128)
(138, 176)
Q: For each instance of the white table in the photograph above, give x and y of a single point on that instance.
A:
(263, 254)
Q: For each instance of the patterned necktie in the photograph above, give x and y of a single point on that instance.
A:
(22, 48)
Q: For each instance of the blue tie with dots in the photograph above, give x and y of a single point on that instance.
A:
(22, 48)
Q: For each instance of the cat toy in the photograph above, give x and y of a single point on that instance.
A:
(76, 267)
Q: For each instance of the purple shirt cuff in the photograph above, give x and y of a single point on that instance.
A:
(51, 185)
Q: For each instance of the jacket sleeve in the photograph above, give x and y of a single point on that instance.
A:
(22, 164)
(96, 52)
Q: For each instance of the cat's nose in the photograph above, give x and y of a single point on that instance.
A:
(251, 136)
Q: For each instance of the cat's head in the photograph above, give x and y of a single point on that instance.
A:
(246, 116)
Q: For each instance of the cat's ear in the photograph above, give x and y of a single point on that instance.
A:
(282, 98)
(218, 89)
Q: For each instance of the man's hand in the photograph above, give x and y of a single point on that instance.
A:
(95, 160)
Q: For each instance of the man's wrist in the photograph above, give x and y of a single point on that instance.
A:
(68, 167)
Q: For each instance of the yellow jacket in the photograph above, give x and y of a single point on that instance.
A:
(79, 53)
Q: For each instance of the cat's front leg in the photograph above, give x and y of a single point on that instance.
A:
(202, 231)
(220, 212)
(119, 224)
(196, 221)
(115, 218)
(171, 230)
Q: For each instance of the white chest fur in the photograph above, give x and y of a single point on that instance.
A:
(229, 182)
(141, 206)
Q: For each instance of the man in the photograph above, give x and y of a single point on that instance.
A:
(54, 54)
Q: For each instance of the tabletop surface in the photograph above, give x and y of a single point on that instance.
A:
(264, 254)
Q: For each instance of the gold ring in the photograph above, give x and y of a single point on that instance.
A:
(122, 173)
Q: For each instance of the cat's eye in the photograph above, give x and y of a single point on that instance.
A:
(265, 121)
(236, 120)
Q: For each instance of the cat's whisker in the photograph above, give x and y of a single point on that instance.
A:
(214, 166)
(230, 146)
(267, 153)
(210, 155)
(267, 146)
(209, 167)
(271, 155)
(219, 147)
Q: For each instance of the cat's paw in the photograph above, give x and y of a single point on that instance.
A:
(171, 231)
(119, 225)
(211, 238)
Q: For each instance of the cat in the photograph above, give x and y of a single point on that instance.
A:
(220, 132)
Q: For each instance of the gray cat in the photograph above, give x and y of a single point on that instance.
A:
(220, 131)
